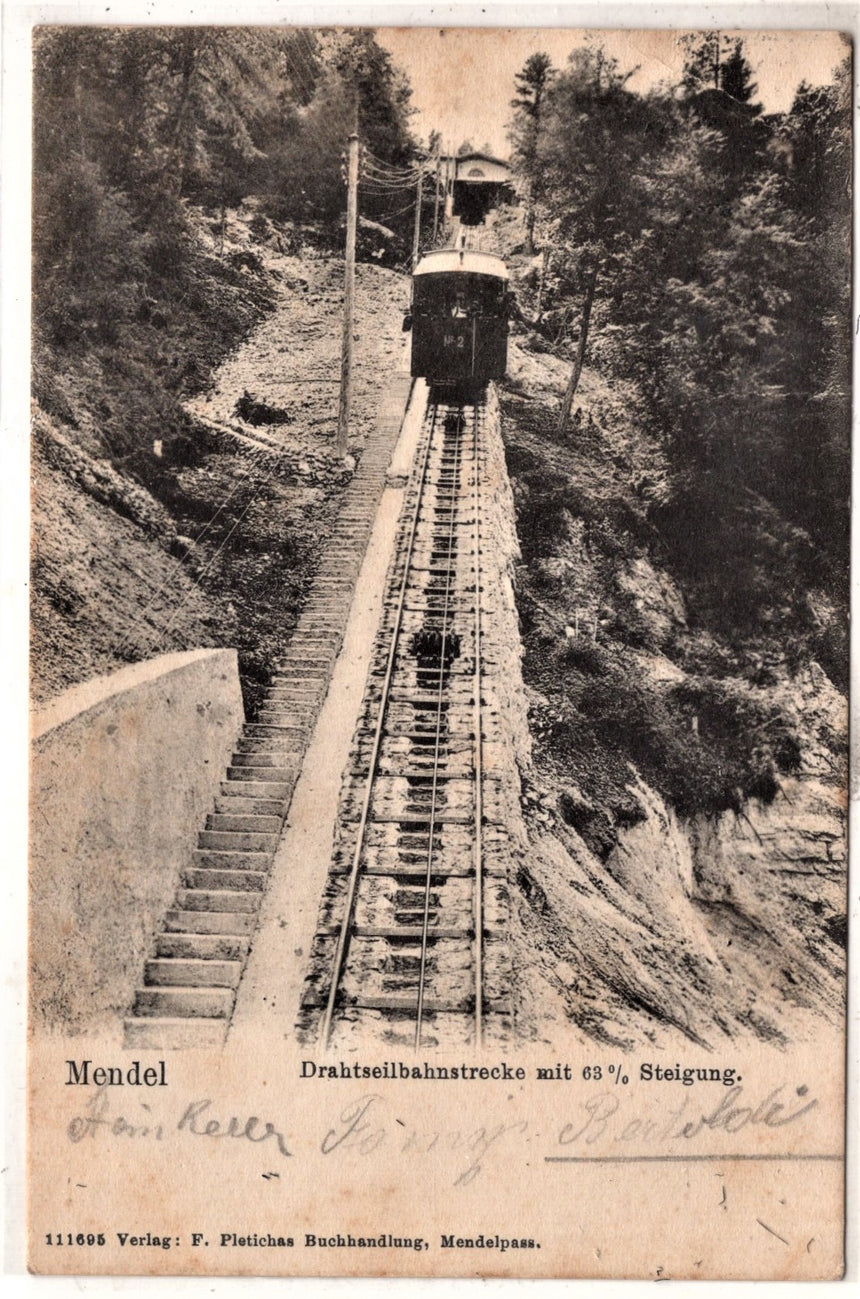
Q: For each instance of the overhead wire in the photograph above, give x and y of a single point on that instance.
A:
(400, 212)
(179, 560)
(212, 558)
(394, 177)
(392, 194)
(410, 179)
(383, 164)
(377, 176)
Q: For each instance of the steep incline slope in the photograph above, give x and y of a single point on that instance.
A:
(683, 788)
(241, 492)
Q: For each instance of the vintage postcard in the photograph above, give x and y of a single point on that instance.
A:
(440, 462)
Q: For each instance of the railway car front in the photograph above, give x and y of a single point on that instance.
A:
(459, 320)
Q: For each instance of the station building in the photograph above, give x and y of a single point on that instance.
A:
(480, 182)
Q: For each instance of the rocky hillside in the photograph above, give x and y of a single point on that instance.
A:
(684, 780)
(213, 538)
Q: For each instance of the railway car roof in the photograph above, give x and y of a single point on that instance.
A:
(450, 260)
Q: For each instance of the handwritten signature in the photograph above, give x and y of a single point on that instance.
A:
(365, 1126)
(196, 1119)
(372, 1122)
(604, 1116)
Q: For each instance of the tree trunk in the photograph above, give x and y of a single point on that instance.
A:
(173, 171)
(575, 373)
(529, 248)
(532, 164)
(544, 268)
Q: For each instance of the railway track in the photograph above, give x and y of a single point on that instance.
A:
(409, 941)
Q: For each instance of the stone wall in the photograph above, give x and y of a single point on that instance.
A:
(123, 769)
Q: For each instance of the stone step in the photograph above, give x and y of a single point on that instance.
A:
(191, 972)
(256, 772)
(295, 728)
(301, 678)
(279, 780)
(191, 1003)
(287, 749)
(304, 694)
(247, 821)
(311, 658)
(229, 804)
(206, 878)
(217, 900)
(284, 716)
(304, 663)
(163, 1034)
(189, 923)
(203, 947)
(237, 841)
(247, 779)
(310, 640)
(230, 860)
(304, 697)
(304, 704)
(277, 730)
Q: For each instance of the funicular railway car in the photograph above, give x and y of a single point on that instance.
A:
(459, 319)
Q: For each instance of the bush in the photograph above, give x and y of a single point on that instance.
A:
(740, 747)
(585, 656)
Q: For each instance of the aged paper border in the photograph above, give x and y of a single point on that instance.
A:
(17, 19)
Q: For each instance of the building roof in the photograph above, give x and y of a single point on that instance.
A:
(486, 157)
(447, 260)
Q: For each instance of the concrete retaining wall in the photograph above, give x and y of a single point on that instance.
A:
(123, 770)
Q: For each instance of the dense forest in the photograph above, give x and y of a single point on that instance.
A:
(694, 252)
(701, 249)
(136, 129)
(189, 185)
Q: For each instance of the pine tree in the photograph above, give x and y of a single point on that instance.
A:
(597, 137)
(707, 53)
(736, 77)
(528, 104)
(701, 61)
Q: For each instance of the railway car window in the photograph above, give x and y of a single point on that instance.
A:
(459, 296)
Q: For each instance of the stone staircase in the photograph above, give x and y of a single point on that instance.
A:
(200, 952)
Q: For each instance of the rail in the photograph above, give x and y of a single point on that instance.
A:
(433, 602)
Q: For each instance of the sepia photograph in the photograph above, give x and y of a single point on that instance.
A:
(439, 589)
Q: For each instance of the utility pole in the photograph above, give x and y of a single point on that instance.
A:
(449, 172)
(348, 297)
(416, 233)
(436, 198)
